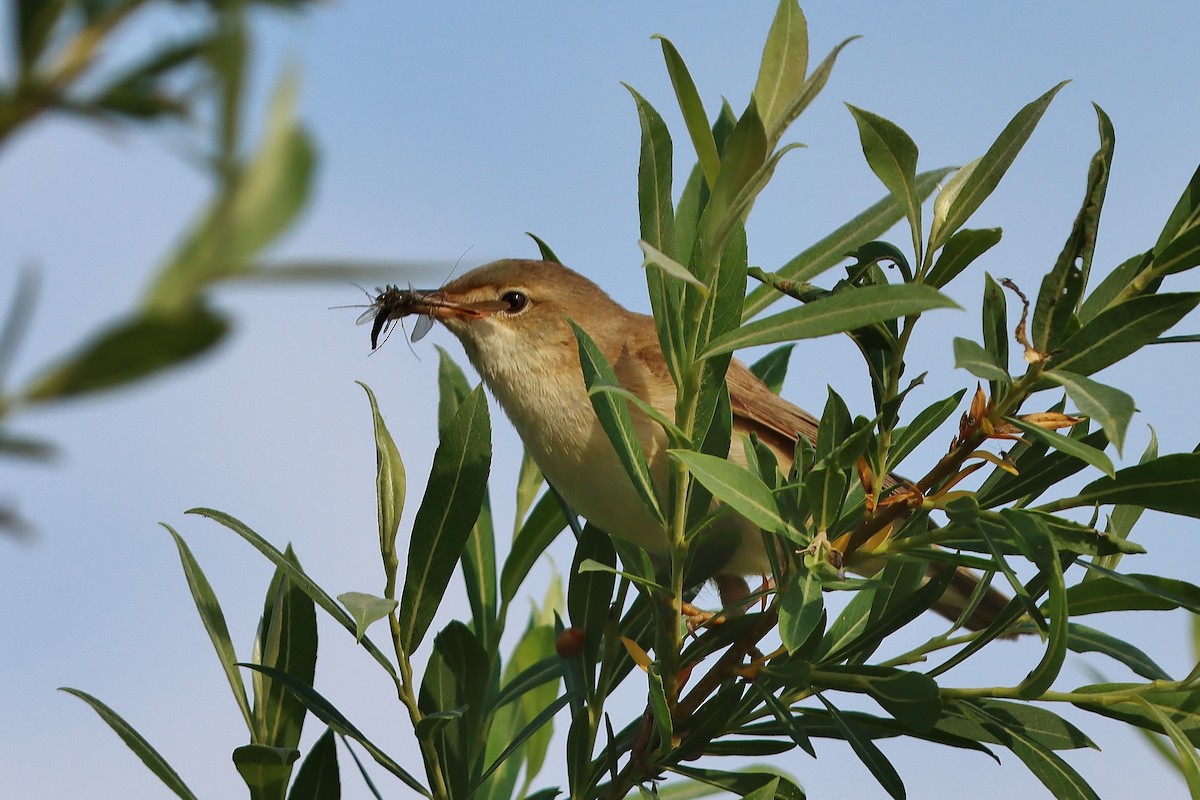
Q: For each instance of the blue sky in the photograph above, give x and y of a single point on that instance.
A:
(451, 128)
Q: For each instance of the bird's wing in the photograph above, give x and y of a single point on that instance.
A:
(759, 410)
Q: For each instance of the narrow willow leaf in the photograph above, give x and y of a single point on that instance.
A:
(130, 350)
(1170, 483)
(1186, 213)
(656, 212)
(1040, 724)
(1108, 406)
(1189, 758)
(209, 609)
(742, 782)
(825, 487)
(737, 487)
(801, 608)
(979, 362)
(783, 715)
(544, 249)
(784, 62)
(318, 777)
(771, 369)
(299, 577)
(745, 153)
(912, 698)
(959, 252)
(693, 111)
(1035, 541)
(1066, 444)
(617, 421)
(589, 594)
(995, 330)
(266, 770)
(1183, 253)
(1062, 288)
(807, 93)
(390, 485)
(533, 727)
(1082, 639)
(329, 714)
(828, 251)
(839, 312)
(365, 609)
(867, 752)
(137, 743)
(1052, 771)
(286, 641)
(656, 258)
(966, 195)
(453, 497)
(1113, 591)
(892, 155)
(1123, 330)
(906, 439)
(543, 525)
(659, 710)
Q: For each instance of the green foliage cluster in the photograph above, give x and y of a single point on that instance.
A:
(481, 715)
(64, 65)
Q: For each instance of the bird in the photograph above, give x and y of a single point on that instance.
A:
(513, 318)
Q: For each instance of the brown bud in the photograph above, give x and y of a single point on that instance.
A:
(569, 643)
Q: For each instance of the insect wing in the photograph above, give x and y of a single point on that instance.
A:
(421, 327)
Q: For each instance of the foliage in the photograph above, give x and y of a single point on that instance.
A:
(63, 66)
(781, 674)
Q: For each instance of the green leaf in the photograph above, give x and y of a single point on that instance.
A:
(735, 486)
(906, 439)
(771, 369)
(533, 727)
(746, 152)
(1082, 639)
(453, 388)
(743, 782)
(964, 193)
(959, 252)
(807, 93)
(137, 743)
(260, 204)
(590, 593)
(892, 155)
(1185, 215)
(130, 350)
(979, 362)
(842, 311)
(209, 609)
(828, 251)
(1052, 771)
(784, 62)
(544, 250)
(1062, 288)
(912, 698)
(783, 715)
(1113, 591)
(1040, 724)
(286, 640)
(1181, 254)
(617, 421)
(328, 713)
(453, 496)
(366, 608)
(1189, 759)
(299, 577)
(825, 488)
(801, 608)
(1108, 406)
(995, 330)
(693, 111)
(867, 752)
(1122, 330)
(390, 484)
(319, 777)
(541, 527)
(1170, 483)
(1036, 543)
(656, 258)
(1066, 444)
(266, 770)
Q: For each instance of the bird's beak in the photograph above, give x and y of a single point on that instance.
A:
(435, 304)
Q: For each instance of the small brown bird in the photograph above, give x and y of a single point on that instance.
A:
(512, 319)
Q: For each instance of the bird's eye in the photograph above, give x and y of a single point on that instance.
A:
(516, 301)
